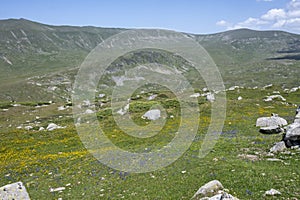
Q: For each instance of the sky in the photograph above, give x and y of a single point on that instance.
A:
(191, 16)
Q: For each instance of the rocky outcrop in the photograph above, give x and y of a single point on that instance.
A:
(14, 191)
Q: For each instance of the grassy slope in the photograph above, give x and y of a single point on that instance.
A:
(44, 160)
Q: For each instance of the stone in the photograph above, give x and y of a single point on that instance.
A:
(249, 157)
(52, 127)
(292, 136)
(209, 189)
(223, 196)
(210, 97)
(278, 147)
(274, 120)
(41, 129)
(272, 97)
(272, 192)
(27, 128)
(59, 189)
(152, 114)
(240, 98)
(14, 191)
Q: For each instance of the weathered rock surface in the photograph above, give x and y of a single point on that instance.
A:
(53, 126)
(14, 191)
(272, 192)
(278, 147)
(152, 114)
(212, 190)
(274, 120)
(292, 136)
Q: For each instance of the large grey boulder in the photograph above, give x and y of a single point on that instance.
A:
(223, 196)
(274, 120)
(14, 191)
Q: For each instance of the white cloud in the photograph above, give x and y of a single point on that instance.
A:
(223, 23)
(274, 14)
(287, 18)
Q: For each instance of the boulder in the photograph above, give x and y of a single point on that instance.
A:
(209, 189)
(152, 114)
(278, 147)
(274, 120)
(14, 191)
(292, 136)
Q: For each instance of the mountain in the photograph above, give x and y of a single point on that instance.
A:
(32, 53)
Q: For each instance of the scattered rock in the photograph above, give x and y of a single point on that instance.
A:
(152, 114)
(41, 129)
(124, 110)
(59, 189)
(271, 125)
(272, 192)
(292, 136)
(152, 97)
(53, 126)
(240, 98)
(27, 128)
(213, 190)
(14, 191)
(278, 147)
(210, 97)
(209, 189)
(272, 97)
(274, 120)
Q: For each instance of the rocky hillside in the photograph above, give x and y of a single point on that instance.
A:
(32, 53)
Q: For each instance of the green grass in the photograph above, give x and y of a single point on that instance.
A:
(50, 159)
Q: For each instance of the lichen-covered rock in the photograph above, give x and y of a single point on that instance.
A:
(14, 191)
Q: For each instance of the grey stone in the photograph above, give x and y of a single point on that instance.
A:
(52, 127)
(210, 97)
(272, 192)
(224, 196)
(14, 191)
(271, 121)
(152, 114)
(278, 147)
(209, 189)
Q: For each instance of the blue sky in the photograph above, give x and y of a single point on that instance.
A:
(194, 16)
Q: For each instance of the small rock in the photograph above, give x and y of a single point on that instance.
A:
(27, 128)
(152, 114)
(272, 192)
(278, 147)
(210, 97)
(53, 126)
(248, 157)
(41, 129)
(14, 191)
(59, 189)
(209, 189)
(240, 98)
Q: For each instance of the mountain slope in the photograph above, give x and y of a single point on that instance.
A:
(32, 52)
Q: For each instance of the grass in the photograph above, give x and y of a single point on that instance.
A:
(51, 159)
